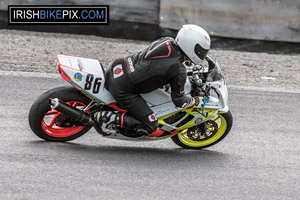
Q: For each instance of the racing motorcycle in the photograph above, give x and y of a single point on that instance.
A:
(66, 113)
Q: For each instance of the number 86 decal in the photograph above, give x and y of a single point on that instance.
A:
(89, 83)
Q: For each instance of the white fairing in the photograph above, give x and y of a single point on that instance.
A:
(160, 100)
(221, 89)
(77, 69)
(161, 96)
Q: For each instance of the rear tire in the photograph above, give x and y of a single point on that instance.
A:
(40, 109)
(182, 140)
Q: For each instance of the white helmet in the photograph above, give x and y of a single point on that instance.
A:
(194, 41)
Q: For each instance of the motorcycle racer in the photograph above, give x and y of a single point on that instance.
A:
(157, 65)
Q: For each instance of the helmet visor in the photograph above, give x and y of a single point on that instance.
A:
(200, 51)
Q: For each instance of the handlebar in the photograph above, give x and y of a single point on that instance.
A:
(197, 73)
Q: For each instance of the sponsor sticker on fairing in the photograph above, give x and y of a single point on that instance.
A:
(152, 118)
(78, 76)
(198, 121)
(118, 71)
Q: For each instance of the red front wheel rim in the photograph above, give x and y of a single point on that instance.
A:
(49, 127)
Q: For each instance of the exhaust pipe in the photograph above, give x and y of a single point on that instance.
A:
(72, 112)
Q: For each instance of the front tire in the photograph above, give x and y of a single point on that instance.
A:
(223, 122)
(42, 119)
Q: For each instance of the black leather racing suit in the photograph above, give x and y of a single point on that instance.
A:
(159, 64)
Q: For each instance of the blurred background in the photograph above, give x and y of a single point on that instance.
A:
(254, 25)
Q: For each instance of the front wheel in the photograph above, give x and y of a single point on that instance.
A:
(211, 132)
(51, 125)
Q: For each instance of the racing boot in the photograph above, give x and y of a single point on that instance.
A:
(108, 121)
(142, 130)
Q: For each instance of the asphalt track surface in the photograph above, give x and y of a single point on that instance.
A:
(259, 159)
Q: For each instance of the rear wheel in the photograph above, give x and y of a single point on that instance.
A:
(211, 132)
(51, 125)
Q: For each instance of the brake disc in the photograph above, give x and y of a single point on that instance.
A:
(198, 133)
